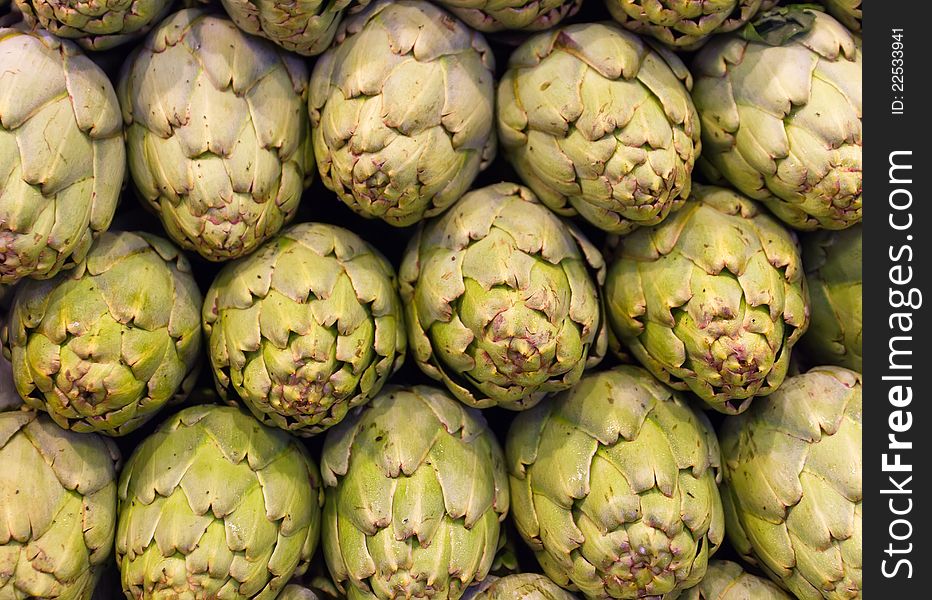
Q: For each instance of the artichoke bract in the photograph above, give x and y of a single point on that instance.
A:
(614, 487)
(106, 345)
(307, 327)
(780, 106)
(216, 505)
(501, 299)
(402, 111)
(303, 27)
(496, 15)
(58, 493)
(217, 133)
(598, 123)
(686, 25)
(711, 300)
(94, 24)
(416, 489)
(522, 586)
(57, 191)
(725, 580)
(793, 490)
(846, 11)
(833, 261)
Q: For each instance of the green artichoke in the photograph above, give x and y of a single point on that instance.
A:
(95, 24)
(58, 515)
(305, 328)
(496, 15)
(62, 159)
(217, 133)
(596, 122)
(106, 345)
(523, 586)
(614, 487)
(416, 488)
(304, 27)
(833, 271)
(402, 111)
(685, 24)
(216, 505)
(792, 491)
(711, 300)
(726, 580)
(501, 299)
(846, 11)
(781, 116)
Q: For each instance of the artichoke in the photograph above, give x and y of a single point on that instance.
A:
(62, 159)
(614, 487)
(523, 586)
(306, 328)
(95, 24)
(495, 15)
(726, 580)
(58, 499)
(846, 11)
(303, 27)
(685, 24)
(833, 271)
(501, 299)
(781, 116)
(792, 491)
(217, 133)
(711, 300)
(416, 487)
(106, 345)
(596, 122)
(216, 505)
(401, 108)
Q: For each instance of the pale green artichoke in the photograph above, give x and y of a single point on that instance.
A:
(793, 490)
(305, 27)
(402, 111)
(106, 345)
(846, 11)
(217, 133)
(62, 159)
(496, 15)
(614, 487)
(416, 489)
(501, 299)
(596, 122)
(522, 586)
(95, 24)
(833, 262)
(58, 515)
(305, 328)
(216, 505)
(685, 24)
(781, 116)
(726, 580)
(711, 300)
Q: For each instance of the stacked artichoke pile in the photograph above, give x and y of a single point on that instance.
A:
(380, 299)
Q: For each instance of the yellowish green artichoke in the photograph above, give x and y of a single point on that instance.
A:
(502, 300)
(711, 300)
(726, 580)
(521, 586)
(103, 347)
(402, 111)
(95, 24)
(305, 328)
(598, 123)
(496, 15)
(62, 159)
(217, 133)
(781, 110)
(793, 487)
(614, 485)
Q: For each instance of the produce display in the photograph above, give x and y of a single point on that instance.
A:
(430, 300)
